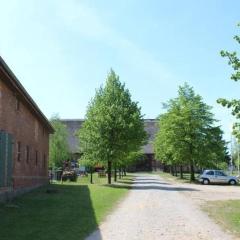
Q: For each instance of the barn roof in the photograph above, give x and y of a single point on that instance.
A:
(73, 125)
(151, 128)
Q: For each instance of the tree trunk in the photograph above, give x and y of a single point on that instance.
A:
(91, 178)
(181, 172)
(176, 173)
(171, 170)
(192, 176)
(109, 172)
(119, 173)
(163, 168)
(115, 173)
(124, 171)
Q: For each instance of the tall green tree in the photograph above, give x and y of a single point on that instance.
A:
(114, 125)
(187, 132)
(87, 162)
(234, 104)
(130, 159)
(59, 149)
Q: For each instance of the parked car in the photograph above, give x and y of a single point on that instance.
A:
(217, 176)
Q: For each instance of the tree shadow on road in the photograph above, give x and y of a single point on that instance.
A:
(151, 182)
(147, 179)
(153, 187)
(125, 182)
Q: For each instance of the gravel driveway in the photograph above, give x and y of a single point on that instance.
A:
(157, 210)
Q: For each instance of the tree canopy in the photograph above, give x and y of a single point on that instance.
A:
(234, 104)
(59, 149)
(114, 125)
(188, 134)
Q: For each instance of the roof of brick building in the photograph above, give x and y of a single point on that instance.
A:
(12, 80)
(151, 127)
(73, 125)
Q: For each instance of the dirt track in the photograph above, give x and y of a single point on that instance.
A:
(158, 210)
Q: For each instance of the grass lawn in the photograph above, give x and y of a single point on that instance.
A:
(186, 177)
(71, 211)
(225, 213)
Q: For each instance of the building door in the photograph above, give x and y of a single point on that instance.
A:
(6, 161)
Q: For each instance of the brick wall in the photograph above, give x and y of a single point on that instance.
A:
(30, 164)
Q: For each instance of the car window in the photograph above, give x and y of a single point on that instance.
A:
(210, 173)
(219, 173)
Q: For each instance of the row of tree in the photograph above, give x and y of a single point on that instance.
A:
(188, 134)
(111, 136)
(113, 132)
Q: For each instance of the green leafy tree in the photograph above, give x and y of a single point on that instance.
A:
(59, 149)
(130, 159)
(163, 143)
(114, 126)
(235, 150)
(87, 162)
(234, 104)
(187, 132)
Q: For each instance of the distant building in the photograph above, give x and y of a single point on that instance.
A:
(24, 136)
(73, 125)
(147, 163)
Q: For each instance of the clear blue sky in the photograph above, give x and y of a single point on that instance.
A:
(62, 50)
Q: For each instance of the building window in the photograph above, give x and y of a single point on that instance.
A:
(19, 151)
(36, 158)
(27, 154)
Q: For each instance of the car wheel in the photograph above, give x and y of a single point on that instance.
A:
(232, 182)
(205, 181)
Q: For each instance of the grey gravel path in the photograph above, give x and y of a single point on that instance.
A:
(156, 210)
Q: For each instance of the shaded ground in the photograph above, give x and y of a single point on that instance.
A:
(157, 209)
(69, 211)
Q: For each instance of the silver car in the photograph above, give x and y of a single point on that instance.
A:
(217, 176)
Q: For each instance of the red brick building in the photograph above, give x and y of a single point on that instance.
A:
(24, 136)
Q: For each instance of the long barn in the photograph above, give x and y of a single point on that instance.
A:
(24, 136)
(147, 163)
